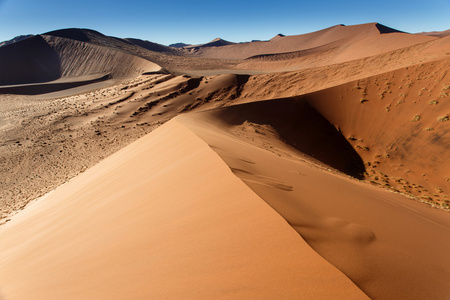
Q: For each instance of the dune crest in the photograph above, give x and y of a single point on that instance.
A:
(357, 41)
(365, 232)
(54, 58)
(168, 239)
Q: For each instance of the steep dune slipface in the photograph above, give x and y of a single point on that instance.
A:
(302, 127)
(46, 58)
(397, 122)
(390, 246)
(163, 218)
(79, 58)
(28, 61)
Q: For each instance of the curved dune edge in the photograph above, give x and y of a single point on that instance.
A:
(80, 58)
(389, 246)
(43, 61)
(162, 218)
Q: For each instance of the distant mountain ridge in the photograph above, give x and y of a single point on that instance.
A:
(217, 42)
(16, 39)
(179, 45)
(439, 34)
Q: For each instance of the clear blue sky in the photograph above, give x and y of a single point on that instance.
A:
(199, 21)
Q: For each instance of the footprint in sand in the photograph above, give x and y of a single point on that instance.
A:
(260, 179)
(247, 161)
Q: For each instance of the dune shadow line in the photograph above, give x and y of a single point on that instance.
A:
(302, 127)
(29, 61)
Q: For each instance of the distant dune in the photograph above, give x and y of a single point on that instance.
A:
(356, 41)
(84, 59)
(149, 45)
(29, 61)
(312, 166)
(46, 58)
(437, 33)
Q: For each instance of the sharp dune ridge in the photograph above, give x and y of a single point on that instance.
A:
(183, 236)
(362, 39)
(312, 166)
(344, 228)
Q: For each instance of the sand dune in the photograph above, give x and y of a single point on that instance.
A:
(83, 59)
(27, 61)
(406, 152)
(150, 46)
(364, 40)
(144, 235)
(436, 33)
(45, 138)
(333, 45)
(153, 231)
(396, 122)
(392, 50)
(112, 117)
(367, 233)
(45, 58)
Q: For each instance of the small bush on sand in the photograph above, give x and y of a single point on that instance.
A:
(443, 118)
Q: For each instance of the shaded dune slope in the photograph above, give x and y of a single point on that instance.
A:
(78, 34)
(302, 127)
(48, 58)
(97, 38)
(79, 58)
(141, 224)
(30, 60)
(363, 231)
(376, 116)
(150, 45)
(397, 122)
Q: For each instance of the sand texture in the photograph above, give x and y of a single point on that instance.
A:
(175, 224)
